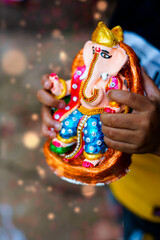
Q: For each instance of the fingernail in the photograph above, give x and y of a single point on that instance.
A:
(108, 92)
(61, 104)
(58, 126)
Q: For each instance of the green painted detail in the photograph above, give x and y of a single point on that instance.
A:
(67, 99)
(60, 150)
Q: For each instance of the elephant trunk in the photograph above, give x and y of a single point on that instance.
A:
(86, 91)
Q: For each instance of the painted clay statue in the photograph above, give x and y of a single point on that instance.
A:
(79, 152)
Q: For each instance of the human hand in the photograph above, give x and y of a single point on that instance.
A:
(48, 100)
(139, 131)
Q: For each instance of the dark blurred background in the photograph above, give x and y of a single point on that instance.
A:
(38, 37)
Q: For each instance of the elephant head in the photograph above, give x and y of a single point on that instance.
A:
(103, 58)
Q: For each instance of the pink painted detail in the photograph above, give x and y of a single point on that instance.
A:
(114, 83)
(56, 144)
(75, 87)
(87, 164)
(77, 155)
(54, 76)
(109, 110)
(97, 49)
(65, 159)
(76, 75)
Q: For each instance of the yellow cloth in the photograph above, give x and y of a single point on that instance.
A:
(139, 190)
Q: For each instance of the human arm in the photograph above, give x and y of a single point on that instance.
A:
(138, 132)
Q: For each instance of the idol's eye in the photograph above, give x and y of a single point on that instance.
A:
(93, 50)
(105, 55)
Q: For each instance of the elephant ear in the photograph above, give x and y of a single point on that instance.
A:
(78, 61)
(132, 71)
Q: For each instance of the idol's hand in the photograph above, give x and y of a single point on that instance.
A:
(48, 100)
(138, 132)
(56, 88)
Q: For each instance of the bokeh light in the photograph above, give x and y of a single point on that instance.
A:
(12, 80)
(95, 209)
(31, 140)
(88, 191)
(27, 85)
(102, 5)
(22, 23)
(63, 56)
(57, 2)
(14, 62)
(51, 216)
(97, 16)
(20, 182)
(77, 209)
(31, 188)
(41, 172)
(39, 45)
(39, 36)
(57, 34)
(49, 189)
(34, 116)
(105, 230)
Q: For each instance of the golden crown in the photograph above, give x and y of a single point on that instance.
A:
(104, 36)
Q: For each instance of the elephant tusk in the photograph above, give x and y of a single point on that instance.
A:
(104, 76)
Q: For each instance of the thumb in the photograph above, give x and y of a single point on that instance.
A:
(150, 88)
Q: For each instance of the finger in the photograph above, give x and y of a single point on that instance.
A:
(120, 135)
(48, 120)
(45, 82)
(133, 100)
(46, 132)
(150, 88)
(49, 100)
(48, 85)
(120, 146)
(119, 120)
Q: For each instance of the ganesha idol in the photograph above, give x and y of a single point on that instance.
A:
(78, 152)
